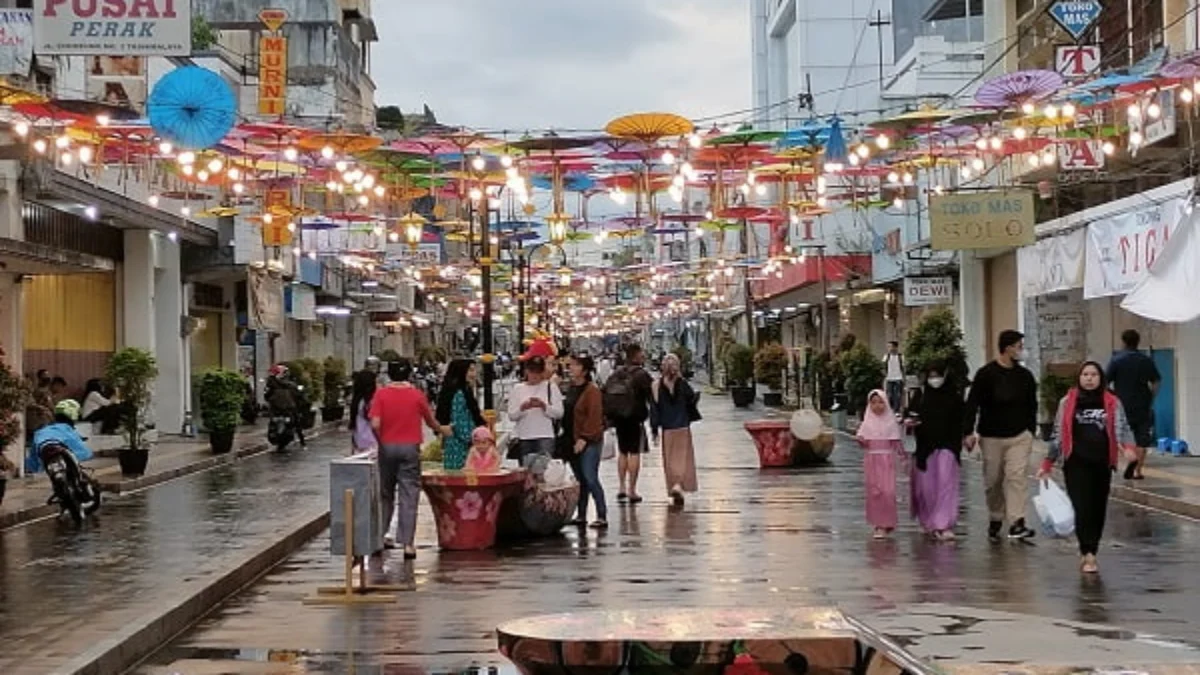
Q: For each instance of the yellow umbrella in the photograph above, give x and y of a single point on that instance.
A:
(649, 127)
(218, 212)
(269, 166)
(345, 142)
(916, 118)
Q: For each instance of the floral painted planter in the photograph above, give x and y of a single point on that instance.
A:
(777, 447)
(467, 505)
(537, 511)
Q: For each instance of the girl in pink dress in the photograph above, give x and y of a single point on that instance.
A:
(881, 436)
(483, 457)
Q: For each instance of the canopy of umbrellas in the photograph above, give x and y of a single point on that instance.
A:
(664, 180)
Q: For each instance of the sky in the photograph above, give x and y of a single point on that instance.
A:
(521, 65)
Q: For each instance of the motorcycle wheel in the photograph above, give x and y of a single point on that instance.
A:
(67, 502)
(94, 488)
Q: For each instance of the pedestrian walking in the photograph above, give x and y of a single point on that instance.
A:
(673, 409)
(894, 380)
(882, 438)
(1002, 416)
(535, 406)
(936, 413)
(364, 383)
(1135, 380)
(1089, 430)
(587, 428)
(397, 413)
(458, 409)
(626, 406)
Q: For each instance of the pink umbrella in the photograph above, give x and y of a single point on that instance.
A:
(1014, 89)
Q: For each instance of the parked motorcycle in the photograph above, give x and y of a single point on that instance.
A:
(75, 490)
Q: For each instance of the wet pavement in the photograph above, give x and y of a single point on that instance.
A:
(64, 590)
(750, 538)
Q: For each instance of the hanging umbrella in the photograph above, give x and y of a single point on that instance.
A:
(649, 127)
(192, 107)
(743, 136)
(342, 141)
(95, 109)
(1017, 88)
(835, 146)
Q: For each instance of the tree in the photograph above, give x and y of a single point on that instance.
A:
(864, 373)
(203, 34)
(937, 338)
(390, 118)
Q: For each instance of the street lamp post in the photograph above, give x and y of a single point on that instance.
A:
(481, 253)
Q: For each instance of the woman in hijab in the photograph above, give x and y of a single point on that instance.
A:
(458, 409)
(673, 409)
(882, 438)
(1089, 431)
(936, 412)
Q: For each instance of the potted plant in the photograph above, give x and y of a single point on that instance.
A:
(131, 371)
(937, 337)
(864, 372)
(769, 365)
(222, 393)
(333, 408)
(388, 355)
(686, 360)
(739, 368)
(14, 397)
(1052, 389)
(427, 354)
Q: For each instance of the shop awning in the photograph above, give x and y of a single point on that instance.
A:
(23, 257)
(837, 268)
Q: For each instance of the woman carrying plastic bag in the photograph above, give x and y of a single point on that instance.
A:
(1090, 430)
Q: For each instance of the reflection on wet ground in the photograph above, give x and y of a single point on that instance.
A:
(749, 538)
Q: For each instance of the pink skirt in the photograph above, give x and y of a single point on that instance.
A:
(934, 492)
(679, 459)
(879, 468)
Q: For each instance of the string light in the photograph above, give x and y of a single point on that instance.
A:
(327, 152)
(291, 154)
(62, 142)
(215, 166)
(153, 200)
(91, 212)
(883, 142)
(85, 154)
(1019, 133)
(668, 158)
(187, 157)
(21, 128)
(478, 163)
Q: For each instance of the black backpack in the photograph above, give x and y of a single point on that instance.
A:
(620, 396)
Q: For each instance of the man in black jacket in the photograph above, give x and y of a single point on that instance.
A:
(1002, 413)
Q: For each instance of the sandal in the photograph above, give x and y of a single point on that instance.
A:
(621, 496)
(635, 499)
(1089, 565)
(599, 525)
(880, 533)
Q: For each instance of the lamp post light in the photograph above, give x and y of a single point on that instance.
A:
(522, 261)
(479, 243)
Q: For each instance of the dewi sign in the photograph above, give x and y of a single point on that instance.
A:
(973, 220)
(113, 27)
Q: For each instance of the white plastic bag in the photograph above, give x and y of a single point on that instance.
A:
(556, 475)
(1054, 509)
(610, 445)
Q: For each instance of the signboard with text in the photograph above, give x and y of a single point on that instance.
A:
(1155, 129)
(112, 28)
(925, 291)
(16, 42)
(976, 220)
(1076, 16)
(423, 254)
(1076, 61)
(272, 75)
(1121, 248)
(1080, 154)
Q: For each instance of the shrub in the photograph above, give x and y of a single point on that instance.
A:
(769, 365)
(1051, 390)
(739, 364)
(427, 354)
(388, 355)
(310, 374)
(222, 393)
(937, 337)
(14, 396)
(685, 358)
(864, 372)
(131, 371)
(335, 381)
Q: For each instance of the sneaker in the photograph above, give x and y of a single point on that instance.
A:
(388, 542)
(1019, 531)
(994, 530)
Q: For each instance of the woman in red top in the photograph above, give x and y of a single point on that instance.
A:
(397, 413)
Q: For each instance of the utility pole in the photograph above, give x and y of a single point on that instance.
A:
(878, 23)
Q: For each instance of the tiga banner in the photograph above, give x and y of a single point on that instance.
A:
(112, 27)
(16, 42)
(1121, 248)
(266, 301)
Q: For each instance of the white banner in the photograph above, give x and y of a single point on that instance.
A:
(1121, 248)
(304, 303)
(266, 301)
(16, 42)
(423, 254)
(112, 27)
(1052, 264)
(924, 291)
(344, 240)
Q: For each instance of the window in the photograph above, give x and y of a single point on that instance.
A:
(1129, 30)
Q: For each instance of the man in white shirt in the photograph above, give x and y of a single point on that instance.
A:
(894, 382)
(534, 407)
(604, 370)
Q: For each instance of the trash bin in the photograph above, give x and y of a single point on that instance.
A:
(359, 474)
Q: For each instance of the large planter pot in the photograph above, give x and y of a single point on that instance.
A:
(221, 441)
(133, 462)
(774, 440)
(743, 397)
(333, 413)
(773, 399)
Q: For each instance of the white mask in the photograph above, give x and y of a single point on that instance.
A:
(1020, 356)
(936, 382)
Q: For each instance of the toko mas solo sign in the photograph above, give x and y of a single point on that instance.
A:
(112, 27)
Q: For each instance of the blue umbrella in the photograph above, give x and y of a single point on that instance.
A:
(192, 107)
(835, 147)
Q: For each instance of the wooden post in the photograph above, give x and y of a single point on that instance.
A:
(348, 511)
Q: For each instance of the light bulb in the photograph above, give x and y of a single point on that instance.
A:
(202, 175)
(290, 154)
(478, 163)
(760, 189)
(1134, 111)
(694, 140)
(822, 201)
(1068, 110)
(1108, 148)
(476, 194)
(62, 142)
(331, 186)
(380, 191)
(668, 158)
(268, 218)
(1154, 111)
(1049, 158)
(327, 152)
(187, 169)
(981, 143)
(883, 142)
(1028, 108)
(238, 188)
(1019, 133)
(66, 159)
(153, 200)
(853, 159)
(907, 178)
(173, 236)
(364, 200)
(1135, 138)
(21, 128)
(91, 212)
(291, 227)
(996, 143)
(103, 119)
(898, 203)
(85, 154)
(862, 151)
(1186, 95)
(341, 166)
(1033, 160)
(215, 166)
(1050, 112)
(977, 164)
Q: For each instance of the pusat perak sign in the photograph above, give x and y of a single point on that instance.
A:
(112, 27)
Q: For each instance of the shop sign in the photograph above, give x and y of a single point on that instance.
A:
(924, 291)
(1154, 130)
(423, 254)
(1080, 154)
(276, 233)
(272, 75)
(1076, 16)
(266, 300)
(1052, 264)
(1076, 61)
(1121, 248)
(112, 28)
(16, 42)
(975, 220)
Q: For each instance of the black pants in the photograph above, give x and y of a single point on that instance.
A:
(1088, 484)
